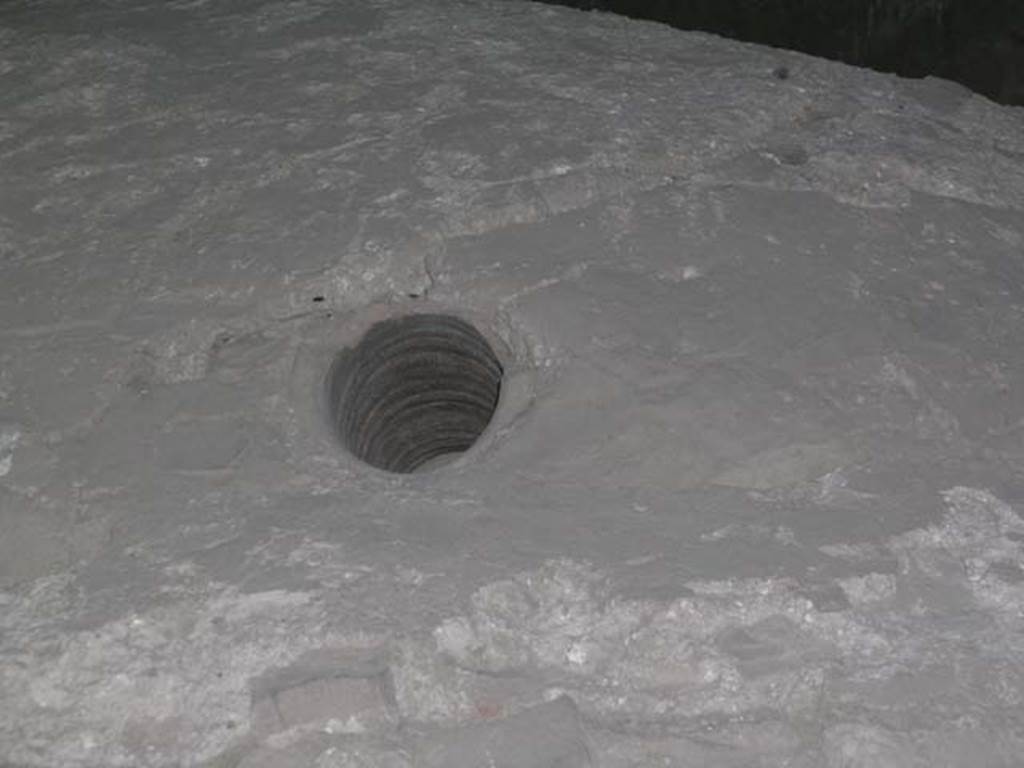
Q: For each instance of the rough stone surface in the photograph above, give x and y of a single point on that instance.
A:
(753, 492)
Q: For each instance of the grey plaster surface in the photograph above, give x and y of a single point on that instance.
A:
(752, 493)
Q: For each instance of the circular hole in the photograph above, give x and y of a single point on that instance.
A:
(415, 392)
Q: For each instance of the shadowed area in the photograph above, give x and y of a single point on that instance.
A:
(979, 43)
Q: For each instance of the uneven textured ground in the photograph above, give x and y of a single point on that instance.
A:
(754, 492)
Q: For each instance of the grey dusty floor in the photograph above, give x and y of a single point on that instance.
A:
(753, 494)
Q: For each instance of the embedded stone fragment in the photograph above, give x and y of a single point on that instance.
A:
(339, 692)
(545, 736)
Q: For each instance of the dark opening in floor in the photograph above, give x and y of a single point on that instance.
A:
(979, 43)
(415, 392)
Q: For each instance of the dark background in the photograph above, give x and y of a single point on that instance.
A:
(979, 43)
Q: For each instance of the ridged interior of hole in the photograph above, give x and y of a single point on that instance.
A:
(415, 389)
